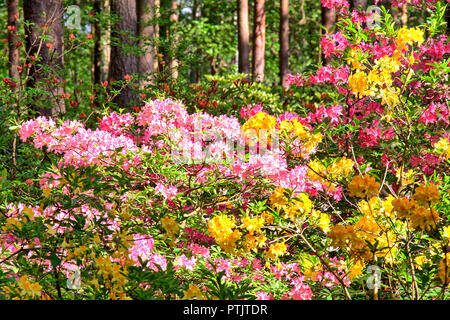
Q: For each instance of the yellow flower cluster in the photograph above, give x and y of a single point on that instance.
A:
(292, 129)
(299, 209)
(418, 210)
(444, 269)
(28, 289)
(443, 147)
(114, 275)
(171, 227)
(193, 292)
(347, 238)
(326, 175)
(378, 81)
(254, 238)
(408, 36)
(278, 200)
(221, 228)
(260, 121)
(427, 195)
(363, 186)
(276, 250)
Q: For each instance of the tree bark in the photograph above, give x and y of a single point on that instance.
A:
(46, 18)
(97, 55)
(328, 21)
(284, 42)
(404, 17)
(259, 40)
(123, 63)
(173, 29)
(106, 49)
(146, 32)
(13, 50)
(243, 37)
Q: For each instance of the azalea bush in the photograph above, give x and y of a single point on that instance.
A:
(345, 198)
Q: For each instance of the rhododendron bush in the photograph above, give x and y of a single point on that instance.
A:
(346, 200)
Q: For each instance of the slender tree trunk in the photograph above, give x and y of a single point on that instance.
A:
(13, 50)
(328, 21)
(243, 37)
(97, 55)
(284, 41)
(447, 18)
(46, 14)
(404, 17)
(106, 48)
(259, 40)
(123, 63)
(194, 74)
(173, 29)
(146, 32)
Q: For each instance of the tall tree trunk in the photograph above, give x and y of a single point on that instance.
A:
(97, 55)
(48, 14)
(259, 40)
(123, 63)
(173, 29)
(194, 74)
(146, 32)
(404, 17)
(284, 41)
(328, 21)
(13, 50)
(447, 18)
(106, 48)
(243, 37)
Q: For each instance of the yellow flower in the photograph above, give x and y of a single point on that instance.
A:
(259, 122)
(407, 177)
(424, 218)
(358, 83)
(356, 268)
(443, 147)
(444, 269)
(408, 36)
(299, 206)
(193, 292)
(427, 194)
(420, 261)
(278, 199)
(171, 226)
(28, 288)
(404, 207)
(446, 232)
(252, 224)
(363, 186)
(221, 229)
(276, 250)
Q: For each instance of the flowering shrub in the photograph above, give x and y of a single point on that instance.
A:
(348, 200)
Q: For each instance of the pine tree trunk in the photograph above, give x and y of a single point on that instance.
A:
(259, 40)
(13, 50)
(146, 32)
(97, 55)
(243, 37)
(173, 29)
(46, 13)
(106, 49)
(123, 63)
(404, 17)
(284, 41)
